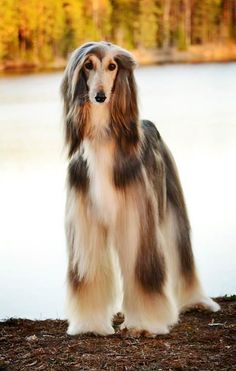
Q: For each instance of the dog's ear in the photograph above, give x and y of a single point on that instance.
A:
(124, 106)
(71, 138)
(74, 92)
(81, 88)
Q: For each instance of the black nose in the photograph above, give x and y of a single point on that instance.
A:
(100, 97)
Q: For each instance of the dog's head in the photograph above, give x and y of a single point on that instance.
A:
(99, 73)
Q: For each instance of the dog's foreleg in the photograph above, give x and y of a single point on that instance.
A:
(90, 279)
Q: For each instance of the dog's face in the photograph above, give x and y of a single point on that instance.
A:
(100, 75)
(92, 73)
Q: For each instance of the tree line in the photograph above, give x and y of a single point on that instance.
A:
(42, 30)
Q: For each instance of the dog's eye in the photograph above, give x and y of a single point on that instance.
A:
(111, 66)
(89, 65)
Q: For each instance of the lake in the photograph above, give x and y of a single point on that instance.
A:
(194, 107)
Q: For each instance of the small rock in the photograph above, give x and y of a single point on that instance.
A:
(32, 338)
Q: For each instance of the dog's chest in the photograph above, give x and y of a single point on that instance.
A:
(102, 194)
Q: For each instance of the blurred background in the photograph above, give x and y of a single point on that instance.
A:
(193, 105)
(41, 33)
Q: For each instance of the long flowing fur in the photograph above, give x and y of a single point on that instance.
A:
(126, 219)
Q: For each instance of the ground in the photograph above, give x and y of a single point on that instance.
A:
(201, 341)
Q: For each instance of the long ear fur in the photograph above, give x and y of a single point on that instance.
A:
(124, 106)
(74, 92)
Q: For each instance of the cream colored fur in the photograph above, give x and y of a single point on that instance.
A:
(106, 224)
(93, 255)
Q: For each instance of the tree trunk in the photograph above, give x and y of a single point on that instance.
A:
(166, 24)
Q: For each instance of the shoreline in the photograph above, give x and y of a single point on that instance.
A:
(195, 54)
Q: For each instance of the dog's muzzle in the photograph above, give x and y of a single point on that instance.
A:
(100, 97)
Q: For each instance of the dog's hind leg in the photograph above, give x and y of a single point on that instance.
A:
(90, 278)
(188, 290)
(192, 295)
(185, 283)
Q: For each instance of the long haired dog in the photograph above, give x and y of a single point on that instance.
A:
(125, 210)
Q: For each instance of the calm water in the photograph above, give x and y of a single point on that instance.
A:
(194, 108)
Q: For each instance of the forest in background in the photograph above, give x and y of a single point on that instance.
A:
(41, 31)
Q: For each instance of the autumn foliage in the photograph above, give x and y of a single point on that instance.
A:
(43, 30)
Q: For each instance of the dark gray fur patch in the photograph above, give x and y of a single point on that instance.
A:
(150, 264)
(127, 168)
(79, 54)
(71, 136)
(74, 280)
(154, 165)
(98, 51)
(125, 61)
(155, 156)
(176, 198)
(127, 165)
(78, 174)
(81, 89)
(127, 137)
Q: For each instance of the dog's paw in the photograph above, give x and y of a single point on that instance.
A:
(209, 304)
(146, 331)
(203, 302)
(80, 329)
(73, 330)
(104, 331)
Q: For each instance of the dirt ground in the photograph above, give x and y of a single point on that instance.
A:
(201, 341)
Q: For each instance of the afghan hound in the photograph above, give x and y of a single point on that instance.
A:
(125, 212)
